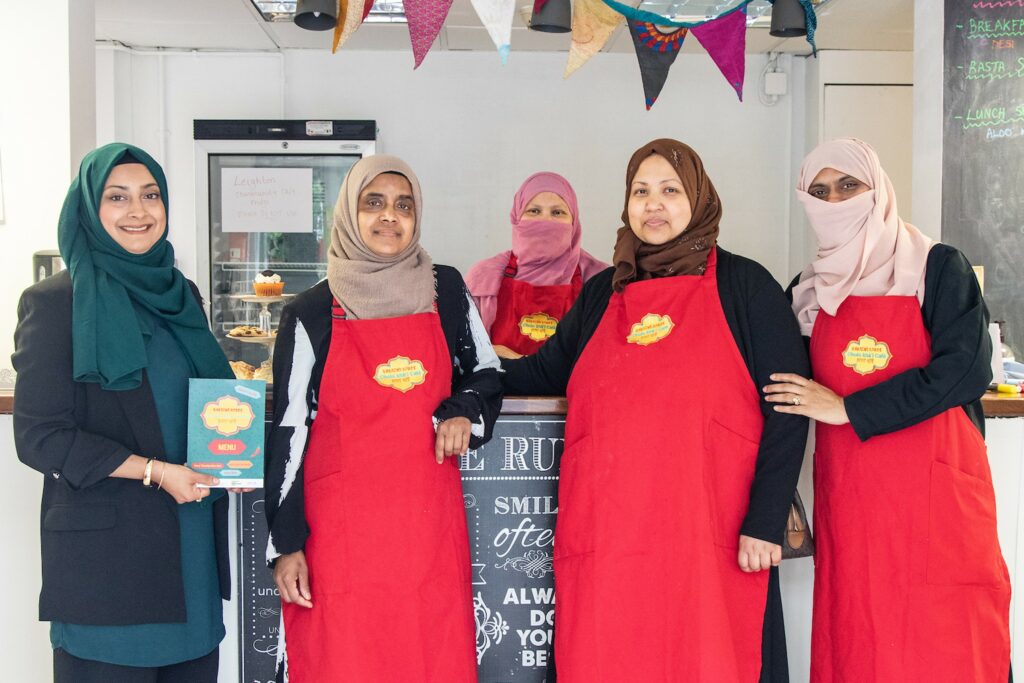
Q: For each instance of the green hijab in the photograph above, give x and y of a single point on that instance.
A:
(109, 282)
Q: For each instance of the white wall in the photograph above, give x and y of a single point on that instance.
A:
(929, 70)
(47, 123)
(473, 130)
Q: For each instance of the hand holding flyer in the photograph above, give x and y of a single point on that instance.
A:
(225, 430)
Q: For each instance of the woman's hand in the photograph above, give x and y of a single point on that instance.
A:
(452, 438)
(505, 352)
(756, 555)
(291, 574)
(241, 490)
(181, 483)
(801, 396)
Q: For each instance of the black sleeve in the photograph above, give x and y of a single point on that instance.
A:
(286, 515)
(46, 433)
(476, 388)
(960, 368)
(546, 373)
(769, 339)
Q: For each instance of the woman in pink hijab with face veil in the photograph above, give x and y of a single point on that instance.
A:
(910, 583)
(523, 293)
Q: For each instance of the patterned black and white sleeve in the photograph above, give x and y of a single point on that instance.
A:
(294, 410)
(476, 386)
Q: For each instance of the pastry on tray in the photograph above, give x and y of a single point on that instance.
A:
(264, 372)
(268, 283)
(242, 369)
(246, 331)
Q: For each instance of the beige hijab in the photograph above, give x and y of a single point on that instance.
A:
(365, 284)
(864, 247)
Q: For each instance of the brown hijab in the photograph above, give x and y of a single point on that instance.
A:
(688, 253)
(366, 284)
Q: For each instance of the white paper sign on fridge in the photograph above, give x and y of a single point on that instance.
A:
(266, 199)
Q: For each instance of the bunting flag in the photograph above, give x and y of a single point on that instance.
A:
(656, 50)
(496, 16)
(593, 22)
(725, 39)
(425, 18)
(366, 8)
(350, 16)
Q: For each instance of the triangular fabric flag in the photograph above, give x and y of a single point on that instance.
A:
(655, 51)
(725, 39)
(425, 17)
(496, 16)
(592, 24)
(366, 8)
(350, 16)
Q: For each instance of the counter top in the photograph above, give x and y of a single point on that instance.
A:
(994, 405)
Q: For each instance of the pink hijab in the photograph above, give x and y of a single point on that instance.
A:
(548, 252)
(864, 247)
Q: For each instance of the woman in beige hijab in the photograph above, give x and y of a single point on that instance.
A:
(910, 583)
(384, 371)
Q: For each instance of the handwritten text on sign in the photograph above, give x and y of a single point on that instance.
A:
(267, 199)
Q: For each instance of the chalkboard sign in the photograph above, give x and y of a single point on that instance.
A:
(983, 149)
(510, 489)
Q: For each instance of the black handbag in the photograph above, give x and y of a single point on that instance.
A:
(797, 541)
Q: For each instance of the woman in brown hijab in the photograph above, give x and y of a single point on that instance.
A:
(677, 476)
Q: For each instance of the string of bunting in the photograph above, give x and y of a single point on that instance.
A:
(657, 39)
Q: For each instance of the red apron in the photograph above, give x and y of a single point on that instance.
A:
(661, 442)
(910, 584)
(388, 551)
(527, 314)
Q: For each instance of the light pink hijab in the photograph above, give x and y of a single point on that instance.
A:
(547, 251)
(864, 247)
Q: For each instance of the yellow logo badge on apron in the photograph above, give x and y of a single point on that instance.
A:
(400, 373)
(651, 329)
(867, 354)
(227, 415)
(537, 326)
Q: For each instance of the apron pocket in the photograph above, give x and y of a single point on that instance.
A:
(963, 543)
(574, 526)
(728, 473)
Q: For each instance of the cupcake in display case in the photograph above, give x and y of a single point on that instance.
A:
(268, 283)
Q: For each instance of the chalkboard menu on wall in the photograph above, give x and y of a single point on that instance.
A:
(510, 489)
(983, 149)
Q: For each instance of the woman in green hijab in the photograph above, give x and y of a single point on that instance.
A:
(133, 574)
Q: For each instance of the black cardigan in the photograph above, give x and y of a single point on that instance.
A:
(960, 369)
(476, 393)
(767, 336)
(111, 548)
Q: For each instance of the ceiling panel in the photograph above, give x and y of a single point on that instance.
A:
(234, 24)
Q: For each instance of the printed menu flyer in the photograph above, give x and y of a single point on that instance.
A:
(225, 430)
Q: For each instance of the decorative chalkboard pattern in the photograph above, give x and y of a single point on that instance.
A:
(510, 489)
(983, 149)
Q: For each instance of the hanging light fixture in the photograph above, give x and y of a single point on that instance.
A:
(554, 16)
(316, 15)
(788, 19)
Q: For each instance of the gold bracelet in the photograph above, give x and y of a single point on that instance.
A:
(148, 473)
(163, 471)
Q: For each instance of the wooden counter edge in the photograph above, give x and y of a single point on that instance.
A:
(995, 406)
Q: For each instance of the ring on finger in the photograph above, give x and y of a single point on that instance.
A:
(796, 400)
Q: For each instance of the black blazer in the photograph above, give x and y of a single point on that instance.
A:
(111, 547)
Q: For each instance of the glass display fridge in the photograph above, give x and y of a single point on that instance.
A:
(265, 193)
